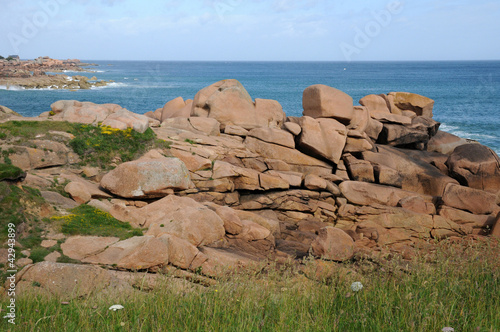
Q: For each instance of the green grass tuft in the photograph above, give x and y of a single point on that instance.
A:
(86, 220)
(38, 254)
(10, 172)
(100, 146)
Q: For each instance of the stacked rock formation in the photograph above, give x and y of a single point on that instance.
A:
(242, 182)
(382, 171)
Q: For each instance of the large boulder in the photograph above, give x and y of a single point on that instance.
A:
(475, 166)
(333, 244)
(147, 178)
(112, 115)
(176, 108)
(82, 112)
(402, 101)
(324, 138)
(321, 101)
(179, 216)
(229, 103)
(473, 200)
(375, 103)
(124, 119)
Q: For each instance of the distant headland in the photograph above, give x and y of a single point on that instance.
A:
(34, 74)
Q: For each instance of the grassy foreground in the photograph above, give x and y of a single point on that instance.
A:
(455, 286)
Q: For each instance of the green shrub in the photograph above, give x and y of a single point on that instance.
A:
(100, 146)
(86, 220)
(38, 254)
(10, 172)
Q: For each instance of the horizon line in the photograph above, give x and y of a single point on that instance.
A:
(326, 61)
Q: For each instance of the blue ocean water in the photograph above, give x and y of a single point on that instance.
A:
(466, 94)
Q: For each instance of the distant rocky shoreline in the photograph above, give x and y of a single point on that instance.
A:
(32, 74)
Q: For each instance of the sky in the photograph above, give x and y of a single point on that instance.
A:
(251, 30)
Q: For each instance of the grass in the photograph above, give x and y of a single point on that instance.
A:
(10, 172)
(38, 254)
(96, 145)
(454, 286)
(15, 206)
(86, 220)
(19, 206)
(31, 129)
(101, 146)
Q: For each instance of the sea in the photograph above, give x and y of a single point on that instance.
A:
(466, 93)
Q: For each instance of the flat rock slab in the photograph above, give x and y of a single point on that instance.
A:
(136, 253)
(80, 247)
(59, 200)
(147, 178)
(362, 193)
(469, 199)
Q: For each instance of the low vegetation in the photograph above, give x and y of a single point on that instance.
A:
(10, 172)
(32, 129)
(86, 220)
(455, 286)
(20, 206)
(100, 146)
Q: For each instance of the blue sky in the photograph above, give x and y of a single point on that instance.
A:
(276, 30)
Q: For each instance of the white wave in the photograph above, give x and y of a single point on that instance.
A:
(12, 87)
(445, 127)
(456, 130)
(473, 136)
(110, 85)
